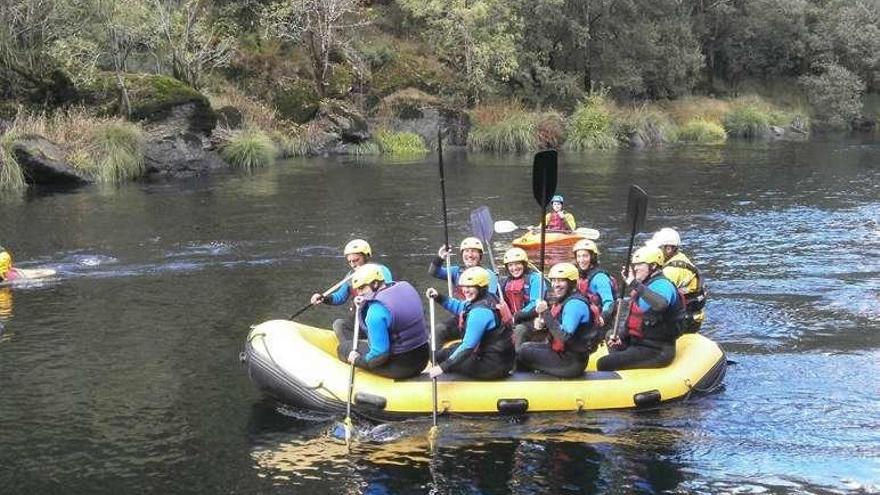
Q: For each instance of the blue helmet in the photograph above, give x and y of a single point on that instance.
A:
(557, 199)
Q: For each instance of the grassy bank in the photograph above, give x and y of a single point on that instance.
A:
(599, 123)
(108, 149)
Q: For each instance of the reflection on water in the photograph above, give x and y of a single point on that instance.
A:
(120, 375)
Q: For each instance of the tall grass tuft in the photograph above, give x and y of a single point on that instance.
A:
(747, 121)
(644, 127)
(701, 131)
(400, 143)
(11, 176)
(117, 152)
(249, 149)
(589, 127)
(503, 128)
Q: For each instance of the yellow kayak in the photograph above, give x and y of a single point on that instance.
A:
(531, 240)
(297, 365)
(25, 274)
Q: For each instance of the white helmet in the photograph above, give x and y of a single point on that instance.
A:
(666, 237)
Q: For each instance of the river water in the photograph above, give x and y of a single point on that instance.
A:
(121, 375)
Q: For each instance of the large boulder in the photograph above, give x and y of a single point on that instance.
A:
(338, 124)
(414, 111)
(44, 163)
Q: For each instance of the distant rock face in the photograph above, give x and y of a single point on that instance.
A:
(176, 146)
(339, 125)
(411, 110)
(43, 163)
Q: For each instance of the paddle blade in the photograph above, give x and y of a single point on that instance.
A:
(481, 224)
(588, 233)
(505, 226)
(636, 208)
(544, 176)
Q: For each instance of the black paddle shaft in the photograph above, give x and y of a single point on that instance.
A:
(442, 186)
(544, 173)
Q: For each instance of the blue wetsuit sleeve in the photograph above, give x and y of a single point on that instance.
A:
(601, 285)
(378, 321)
(340, 295)
(493, 282)
(660, 292)
(534, 291)
(453, 305)
(574, 313)
(386, 274)
(479, 321)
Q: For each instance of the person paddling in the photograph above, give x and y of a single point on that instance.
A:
(486, 350)
(594, 282)
(682, 272)
(569, 321)
(357, 253)
(559, 220)
(396, 344)
(656, 316)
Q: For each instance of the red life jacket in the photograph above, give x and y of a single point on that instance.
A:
(557, 223)
(651, 325)
(516, 293)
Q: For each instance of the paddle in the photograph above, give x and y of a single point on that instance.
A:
(506, 227)
(636, 211)
(481, 223)
(445, 220)
(354, 341)
(432, 433)
(544, 187)
(323, 295)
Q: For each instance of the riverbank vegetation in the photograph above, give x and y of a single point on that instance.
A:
(364, 77)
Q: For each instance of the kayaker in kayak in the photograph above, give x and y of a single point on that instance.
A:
(521, 290)
(559, 220)
(656, 317)
(392, 322)
(594, 282)
(357, 253)
(486, 350)
(7, 272)
(573, 336)
(682, 272)
(471, 250)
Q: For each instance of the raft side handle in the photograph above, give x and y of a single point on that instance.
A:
(371, 400)
(512, 406)
(647, 399)
(580, 405)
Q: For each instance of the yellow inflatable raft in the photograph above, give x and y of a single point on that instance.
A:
(297, 365)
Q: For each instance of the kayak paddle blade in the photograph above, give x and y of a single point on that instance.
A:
(544, 172)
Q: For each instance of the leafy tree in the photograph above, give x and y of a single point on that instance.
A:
(324, 26)
(848, 32)
(835, 93)
(478, 38)
(194, 44)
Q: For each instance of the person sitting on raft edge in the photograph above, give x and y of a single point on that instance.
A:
(392, 322)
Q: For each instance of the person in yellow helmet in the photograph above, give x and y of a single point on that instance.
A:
(486, 350)
(656, 317)
(682, 272)
(471, 250)
(357, 253)
(559, 220)
(595, 282)
(394, 338)
(571, 324)
(7, 272)
(521, 290)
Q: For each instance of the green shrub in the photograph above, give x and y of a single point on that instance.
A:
(249, 149)
(401, 143)
(550, 130)
(11, 176)
(366, 148)
(515, 132)
(835, 95)
(297, 101)
(644, 126)
(117, 152)
(747, 121)
(589, 127)
(701, 131)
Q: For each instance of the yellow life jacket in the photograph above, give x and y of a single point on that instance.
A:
(684, 274)
(5, 263)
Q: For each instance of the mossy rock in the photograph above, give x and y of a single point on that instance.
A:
(297, 101)
(406, 104)
(153, 97)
